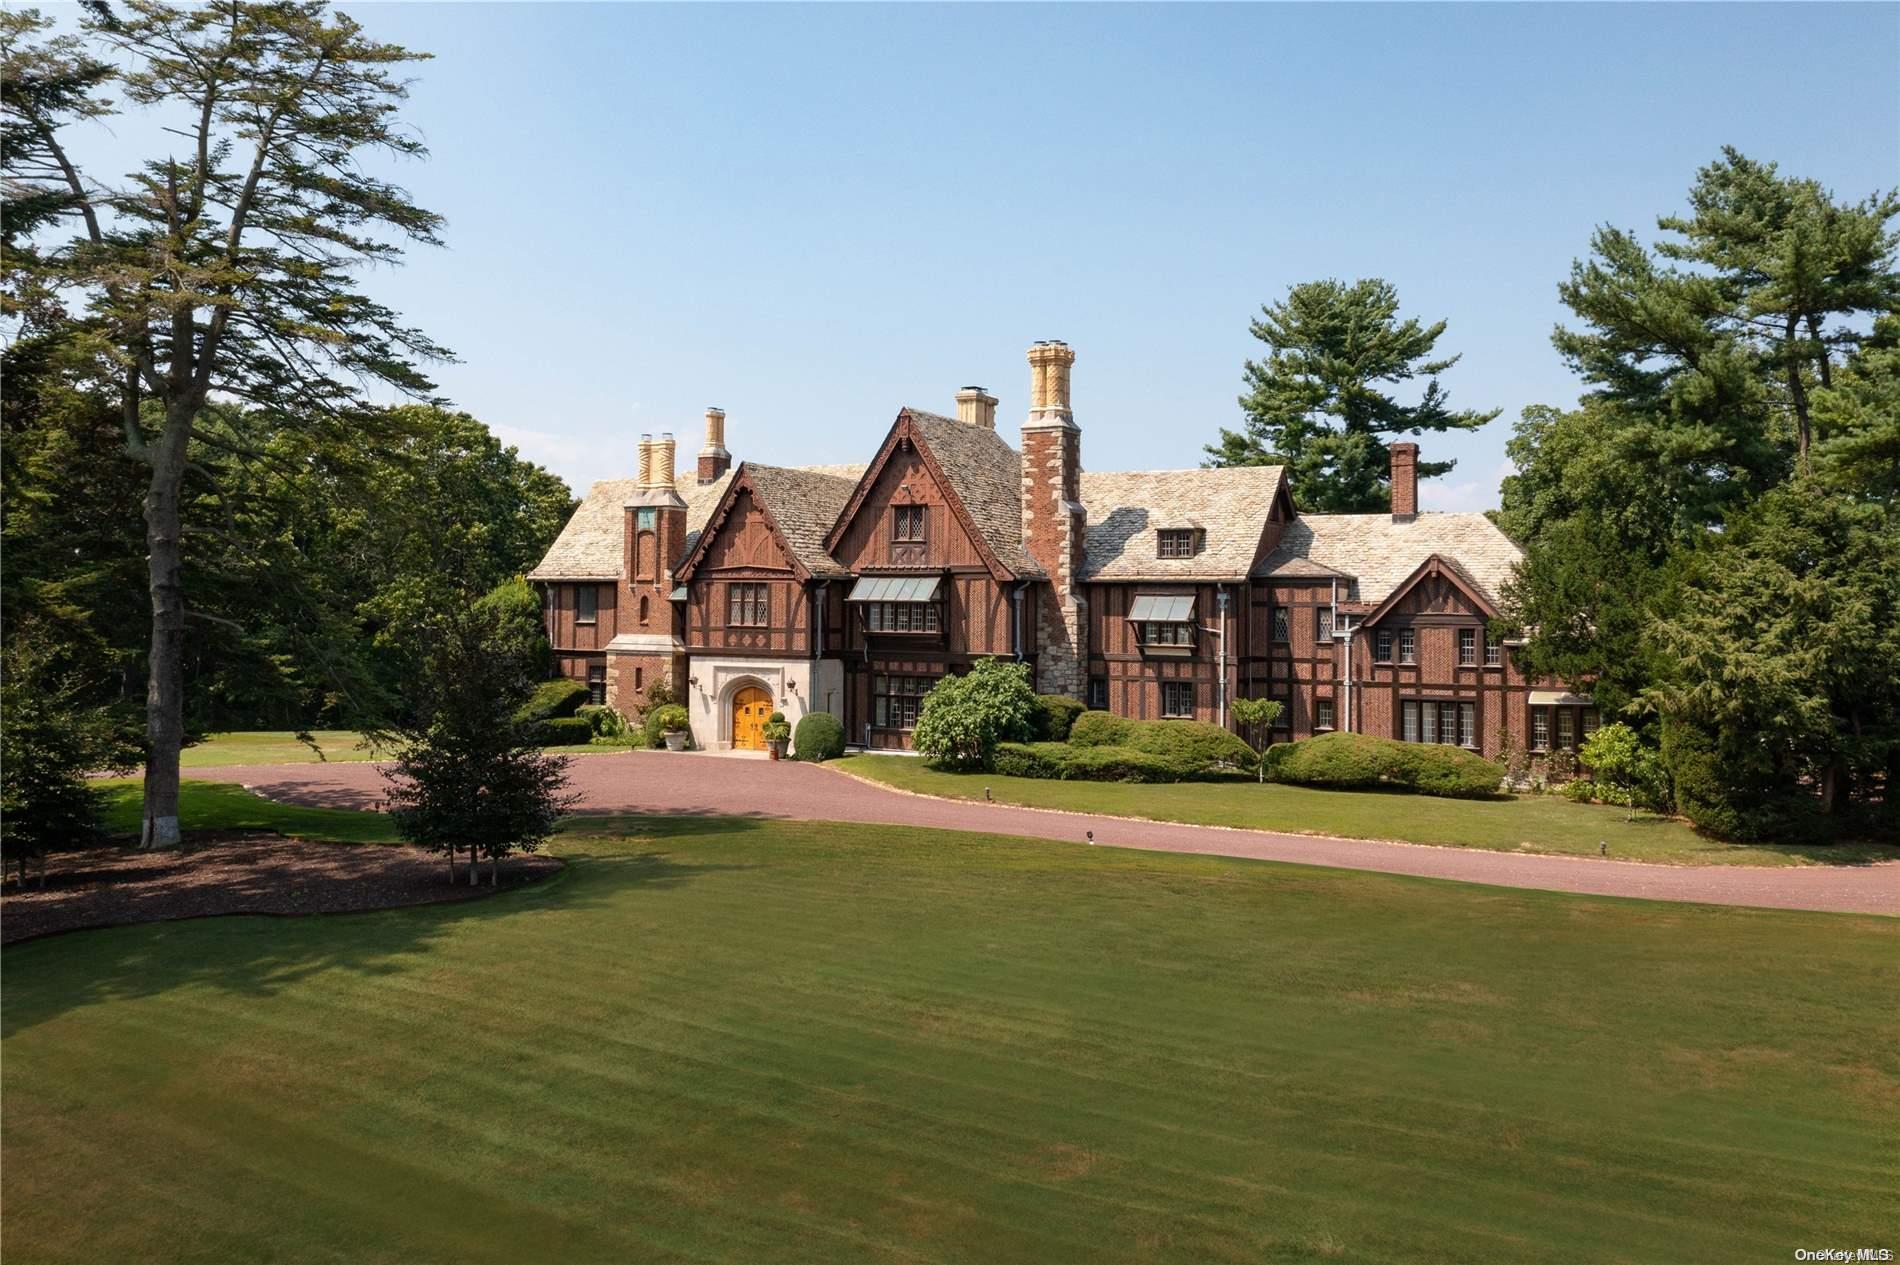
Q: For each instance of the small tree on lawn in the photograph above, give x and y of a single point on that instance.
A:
(964, 717)
(1255, 716)
(50, 738)
(1616, 757)
(470, 773)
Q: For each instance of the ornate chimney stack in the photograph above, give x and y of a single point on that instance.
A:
(976, 407)
(1404, 482)
(714, 460)
(645, 646)
(1054, 523)
(646, 461)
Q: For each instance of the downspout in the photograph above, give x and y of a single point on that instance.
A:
(1016, 619)
(1220, 592)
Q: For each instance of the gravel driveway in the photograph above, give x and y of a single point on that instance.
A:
(687, 784)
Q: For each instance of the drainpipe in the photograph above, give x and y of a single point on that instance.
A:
(1346, 707)
(1016, 620)
(1220, 599)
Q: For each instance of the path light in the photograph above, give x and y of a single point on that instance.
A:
(1091, 835)
(1603, 847)
(986, 794)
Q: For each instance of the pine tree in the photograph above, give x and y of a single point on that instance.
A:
(1320, 404)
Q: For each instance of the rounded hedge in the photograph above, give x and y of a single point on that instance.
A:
(565, 731)
(1343, 761)
(661, 719)
(1066, 762)
(819, 736)
(562, 696)
(1193, 744)
(1054, 716)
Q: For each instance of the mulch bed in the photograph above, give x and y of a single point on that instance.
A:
(238, 872)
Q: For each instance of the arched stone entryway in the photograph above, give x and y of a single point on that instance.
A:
(749, 706)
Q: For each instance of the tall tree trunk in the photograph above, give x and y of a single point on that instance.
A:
(165, 682)
(1820, 351)
(1798, 392)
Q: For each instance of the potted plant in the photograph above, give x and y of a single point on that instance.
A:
(778, 732)
(672, 721)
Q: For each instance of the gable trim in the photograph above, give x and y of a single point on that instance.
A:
(741, 479)
(1435, 565)
(901, 429)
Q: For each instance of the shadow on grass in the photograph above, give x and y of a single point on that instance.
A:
(260, 954)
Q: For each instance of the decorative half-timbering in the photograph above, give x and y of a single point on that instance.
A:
(1157, 594)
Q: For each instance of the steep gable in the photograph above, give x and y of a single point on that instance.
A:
(791, 508)
(978, 475)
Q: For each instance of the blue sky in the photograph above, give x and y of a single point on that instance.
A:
(813, 215)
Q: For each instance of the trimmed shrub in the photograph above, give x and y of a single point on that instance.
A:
(1054, 716)
(820, 736)
(562, 696)
(1582, 792)
(1191, 744)
(1344, 761)
(1098, 729)
(777, 728)
(1065, 762)
(660, 719)
(604, 721)
(565, 731)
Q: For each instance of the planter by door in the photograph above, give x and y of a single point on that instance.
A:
(751, 707)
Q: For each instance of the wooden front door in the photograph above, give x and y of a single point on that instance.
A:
(750, 707)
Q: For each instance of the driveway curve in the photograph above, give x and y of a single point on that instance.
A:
(702, 785)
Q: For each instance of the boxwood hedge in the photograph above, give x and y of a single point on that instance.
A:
(1192, 743)
(1345, 761)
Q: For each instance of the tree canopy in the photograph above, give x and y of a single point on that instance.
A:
(1321, 401)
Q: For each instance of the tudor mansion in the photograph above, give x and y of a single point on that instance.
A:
(1155, 593)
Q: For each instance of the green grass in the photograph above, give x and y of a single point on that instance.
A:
(228, 806)
(757, 1041)
(1524, 823)
(283, 747)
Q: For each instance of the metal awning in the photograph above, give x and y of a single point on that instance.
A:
(1157, 609)
(895, 588)
(1560, 698)
(680, 594)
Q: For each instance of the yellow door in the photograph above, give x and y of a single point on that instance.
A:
(750, 707)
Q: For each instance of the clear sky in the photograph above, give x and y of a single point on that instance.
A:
(814, 215)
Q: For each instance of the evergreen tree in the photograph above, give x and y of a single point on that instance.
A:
(1320, 402)
(227, 271)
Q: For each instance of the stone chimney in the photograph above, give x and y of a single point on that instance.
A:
(1404, 482)
(714, 460)
(976, 407)
(1054, 523)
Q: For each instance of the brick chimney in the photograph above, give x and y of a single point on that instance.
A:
(1404, 482)
(1053, 519)
(714, 460)
(976, 407)
(645, 646)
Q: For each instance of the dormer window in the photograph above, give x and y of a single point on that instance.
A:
(907, 524)
(1178, 542)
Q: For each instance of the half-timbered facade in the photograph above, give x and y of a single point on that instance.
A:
(1153, 594)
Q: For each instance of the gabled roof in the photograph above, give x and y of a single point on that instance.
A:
(1127, 510)
(799, 504)
(592, 545)
(982, 477)
(1380, 555)
(1437, 564)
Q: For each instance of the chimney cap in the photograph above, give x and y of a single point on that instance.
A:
(714, 408)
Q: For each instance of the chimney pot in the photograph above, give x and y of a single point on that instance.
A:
(976, 407)
(1049, 362)
(646, 461)
(714, 460)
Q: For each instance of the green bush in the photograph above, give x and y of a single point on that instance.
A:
(1066, 762)
(661, 719)
(1192, 744)
(565, 731)
(1579, 791)
(605, 721)
(964, 717)
(1344, 761)
(777, 728)
(1098, 729)
(562, 696)
(820, 736)
(1722, 797)
(1054, 716)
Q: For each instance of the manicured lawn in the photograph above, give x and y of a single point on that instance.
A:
(283, 747)
(228, 806)
(1525, 823)
(758, 1041)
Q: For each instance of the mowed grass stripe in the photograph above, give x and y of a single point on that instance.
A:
(790, 1042)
